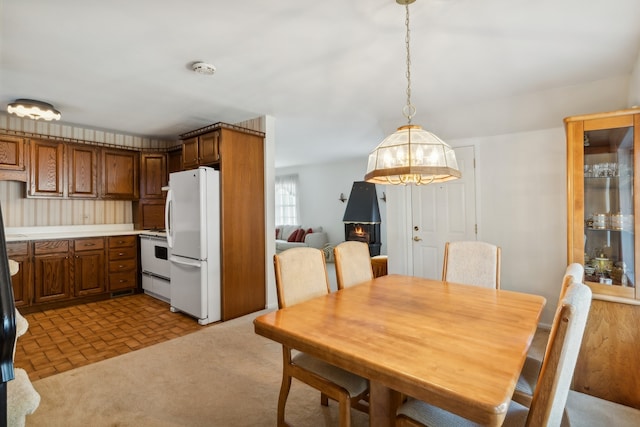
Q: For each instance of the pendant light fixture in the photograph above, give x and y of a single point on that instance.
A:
(33, 109)
(411, 155)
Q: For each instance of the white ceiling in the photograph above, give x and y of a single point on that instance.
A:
(331, 72)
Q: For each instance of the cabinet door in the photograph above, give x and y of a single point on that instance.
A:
(153, 175)
(149, 215)
(47, 166)
(174, 162)
(12, 162)
(120, 174)
(242, 230)
(83, 171)
(190, 153)
(208, 148)
(21, 281)
(51, 275)
(89, 266)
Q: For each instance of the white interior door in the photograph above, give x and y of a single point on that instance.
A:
(441, 213)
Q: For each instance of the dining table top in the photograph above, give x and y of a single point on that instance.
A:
(459, 347)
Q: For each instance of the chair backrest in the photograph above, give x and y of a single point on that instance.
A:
(301, 274)
(353, 263)
(573, 273)
(565, 338)
(472, 263)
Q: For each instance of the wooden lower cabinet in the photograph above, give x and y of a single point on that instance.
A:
(606, 366)
(123, 263)
(89, 266)
(51, 271)
(21, 281)
(55, 273)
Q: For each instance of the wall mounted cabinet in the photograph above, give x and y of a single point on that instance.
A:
(148, 211)
(46, 169)
(82, 171)
(120, 174)
(602, 208)
(13, 165)
(201, 150)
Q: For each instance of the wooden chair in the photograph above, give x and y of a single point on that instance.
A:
(532, 365)
(301, 274)
(549, 399)
(353, 263)
(472, 263)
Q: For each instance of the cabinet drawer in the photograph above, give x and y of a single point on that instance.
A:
(122, 253)
(121, 265)
(122, 241)
(51, 247)
(17, 248)
(120, 281)
(92, 244)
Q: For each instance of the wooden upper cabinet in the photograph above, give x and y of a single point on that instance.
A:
(120, 174)
(201, 150)
(12, 158)
(82, 163)
(153, 175)
(47, 169)
(208, 147)
(190, 153)
(174, 161)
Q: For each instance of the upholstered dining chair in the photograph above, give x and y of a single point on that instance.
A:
(472, 263)
(532, 364)
(353, 263)
(301, 274)
(550, 397)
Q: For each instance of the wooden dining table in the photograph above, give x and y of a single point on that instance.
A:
(458, 347)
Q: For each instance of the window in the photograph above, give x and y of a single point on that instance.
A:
(287, 209)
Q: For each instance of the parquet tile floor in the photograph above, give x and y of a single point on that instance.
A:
(66, 338)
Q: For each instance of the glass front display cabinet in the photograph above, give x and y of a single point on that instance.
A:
(602, 206)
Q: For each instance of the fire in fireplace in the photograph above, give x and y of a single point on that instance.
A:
(362, 216)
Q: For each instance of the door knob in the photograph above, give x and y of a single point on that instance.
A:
(416, 239)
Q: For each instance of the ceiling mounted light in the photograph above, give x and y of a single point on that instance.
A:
(33, 109)
(411, 155)
(203, 68)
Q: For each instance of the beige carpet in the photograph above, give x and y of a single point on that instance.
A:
(224, 375)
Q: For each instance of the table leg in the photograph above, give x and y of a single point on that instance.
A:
(383, 404)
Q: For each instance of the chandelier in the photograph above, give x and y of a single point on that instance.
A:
(411, 155)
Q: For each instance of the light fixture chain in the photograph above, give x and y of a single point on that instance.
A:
(409, 111)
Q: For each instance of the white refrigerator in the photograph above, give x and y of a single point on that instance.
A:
(192, 218)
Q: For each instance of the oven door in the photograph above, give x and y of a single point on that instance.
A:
(154, 257)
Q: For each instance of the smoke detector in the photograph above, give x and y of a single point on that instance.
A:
(203, 68)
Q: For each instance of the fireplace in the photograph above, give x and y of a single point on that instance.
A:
(362, 216)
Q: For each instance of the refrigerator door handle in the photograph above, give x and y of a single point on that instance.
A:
(167, 218)
(187, 262)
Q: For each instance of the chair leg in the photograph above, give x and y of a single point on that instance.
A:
(324, 399)
(344, 408)
(282, 398)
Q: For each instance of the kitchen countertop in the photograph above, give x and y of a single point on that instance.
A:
(17, 234)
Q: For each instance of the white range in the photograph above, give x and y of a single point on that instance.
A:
(155, 265)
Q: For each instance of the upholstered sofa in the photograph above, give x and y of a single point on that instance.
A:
(292, 236)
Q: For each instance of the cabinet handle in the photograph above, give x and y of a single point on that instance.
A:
(89, 244)
(121, 266)
(120, 253)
